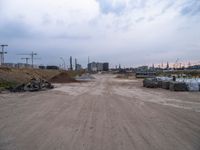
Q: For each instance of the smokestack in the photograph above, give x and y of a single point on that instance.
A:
(71, 68)
(75, 64)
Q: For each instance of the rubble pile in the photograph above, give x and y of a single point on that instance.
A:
(33, 85)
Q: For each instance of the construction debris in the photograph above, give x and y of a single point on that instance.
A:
(193, 86)
(165, 84)
(160, 83)
(181, 84)
(178, 86)
(150, 83)
(33, 85)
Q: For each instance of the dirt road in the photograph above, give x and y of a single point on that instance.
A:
(107, 114)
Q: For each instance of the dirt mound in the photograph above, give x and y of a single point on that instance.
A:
(24, 75)
(63, 77)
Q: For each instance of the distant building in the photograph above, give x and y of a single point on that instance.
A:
(10, 65)
(95, 67)
(78, 67)
(52, 67)
(42, 67)
(105, 66)
(92, 67)
(23, 65)
(18, 65)
(195, 67)
(99, 66)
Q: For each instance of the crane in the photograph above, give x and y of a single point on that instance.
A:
(32, 54)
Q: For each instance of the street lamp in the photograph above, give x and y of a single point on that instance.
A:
(63, 62)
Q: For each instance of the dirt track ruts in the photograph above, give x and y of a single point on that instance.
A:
(107, 114)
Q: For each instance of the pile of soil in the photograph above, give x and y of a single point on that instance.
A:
(63, 77)
(23, 75)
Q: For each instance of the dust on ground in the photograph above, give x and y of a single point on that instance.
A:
(105, 114)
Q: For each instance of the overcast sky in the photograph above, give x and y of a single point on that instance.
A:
(126, 32)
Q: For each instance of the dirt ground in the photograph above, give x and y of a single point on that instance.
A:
(106, 114)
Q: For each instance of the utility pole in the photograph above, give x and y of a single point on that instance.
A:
(2, 53)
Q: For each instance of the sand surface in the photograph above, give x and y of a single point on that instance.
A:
(105, 114)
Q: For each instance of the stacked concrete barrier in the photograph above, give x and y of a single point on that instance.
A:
(150, 83)
(165, 85)
(193, 86)
(160, 83)
(178, 86)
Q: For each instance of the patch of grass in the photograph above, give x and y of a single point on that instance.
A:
(7, 84)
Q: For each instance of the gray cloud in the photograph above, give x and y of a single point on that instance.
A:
(15, 29)
(126, 32)
(72, 37)
(191, 8)
(107, 7)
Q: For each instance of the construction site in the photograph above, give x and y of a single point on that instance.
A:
(56, 109)
(98, 107)
(99, 75)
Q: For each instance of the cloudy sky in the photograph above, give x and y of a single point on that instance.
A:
(126, 32)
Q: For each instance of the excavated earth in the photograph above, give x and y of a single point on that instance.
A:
(105, 114)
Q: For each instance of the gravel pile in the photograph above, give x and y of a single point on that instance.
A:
(85, 77)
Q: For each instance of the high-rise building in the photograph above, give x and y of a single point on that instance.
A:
(105, 66)
(95, 67)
